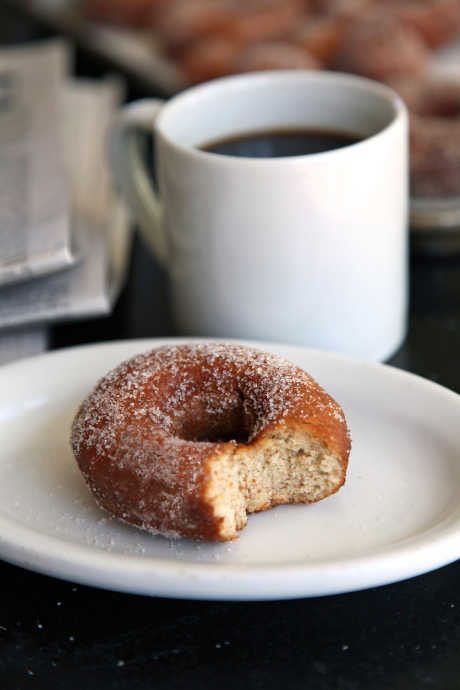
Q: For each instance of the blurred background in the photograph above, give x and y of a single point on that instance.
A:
(106, 52)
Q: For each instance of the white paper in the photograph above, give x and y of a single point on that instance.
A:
(34, 200)
(100, 236)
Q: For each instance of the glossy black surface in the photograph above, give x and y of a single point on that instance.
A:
(57, 635)
(404, 636)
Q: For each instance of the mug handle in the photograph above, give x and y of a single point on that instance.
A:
(131, 173)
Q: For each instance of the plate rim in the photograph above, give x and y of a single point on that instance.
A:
(188, 579)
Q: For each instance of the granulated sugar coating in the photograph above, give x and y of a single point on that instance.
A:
(185, 440)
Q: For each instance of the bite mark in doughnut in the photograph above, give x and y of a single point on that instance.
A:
(186, 440)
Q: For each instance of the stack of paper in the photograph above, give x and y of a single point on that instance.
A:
(64, 237)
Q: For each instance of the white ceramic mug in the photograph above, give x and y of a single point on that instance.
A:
(306, 249)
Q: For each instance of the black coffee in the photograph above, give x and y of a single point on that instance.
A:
(281, 143)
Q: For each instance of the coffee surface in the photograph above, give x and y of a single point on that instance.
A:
(281, 143)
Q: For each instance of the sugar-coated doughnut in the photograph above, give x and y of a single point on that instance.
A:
(430, 96)
(127, 13)
(380, 47)
(186, 440)
(275, 55)
(434, 157)
(437, 21)
(183, 22)
(341, 8)
(434, 107)
(321, 37)
(261, 20)
(209, 58)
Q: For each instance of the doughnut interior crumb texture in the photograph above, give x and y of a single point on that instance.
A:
(288, 467)
(186, 440)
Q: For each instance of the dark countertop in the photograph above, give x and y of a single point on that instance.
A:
(57, 635)
(405, 636)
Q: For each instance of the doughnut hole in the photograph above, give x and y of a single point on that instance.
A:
(216, 420)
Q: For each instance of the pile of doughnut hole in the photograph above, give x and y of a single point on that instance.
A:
(387, 40)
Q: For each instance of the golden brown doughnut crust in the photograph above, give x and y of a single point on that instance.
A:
(146, 438)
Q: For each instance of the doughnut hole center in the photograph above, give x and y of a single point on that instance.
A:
(216, 422)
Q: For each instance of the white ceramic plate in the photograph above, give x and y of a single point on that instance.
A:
(397, 516)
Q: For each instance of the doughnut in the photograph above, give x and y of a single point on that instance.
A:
(340, 8)
(430, 97)
(187, 21)
(434, 108)
(186, 440)
(434, 158)
(260, 20)
(320, 36)
(209, 58)
(275, 55)
(183, 22)
(219, 56)
(127, 13)
(437, 21)
(381, 47)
